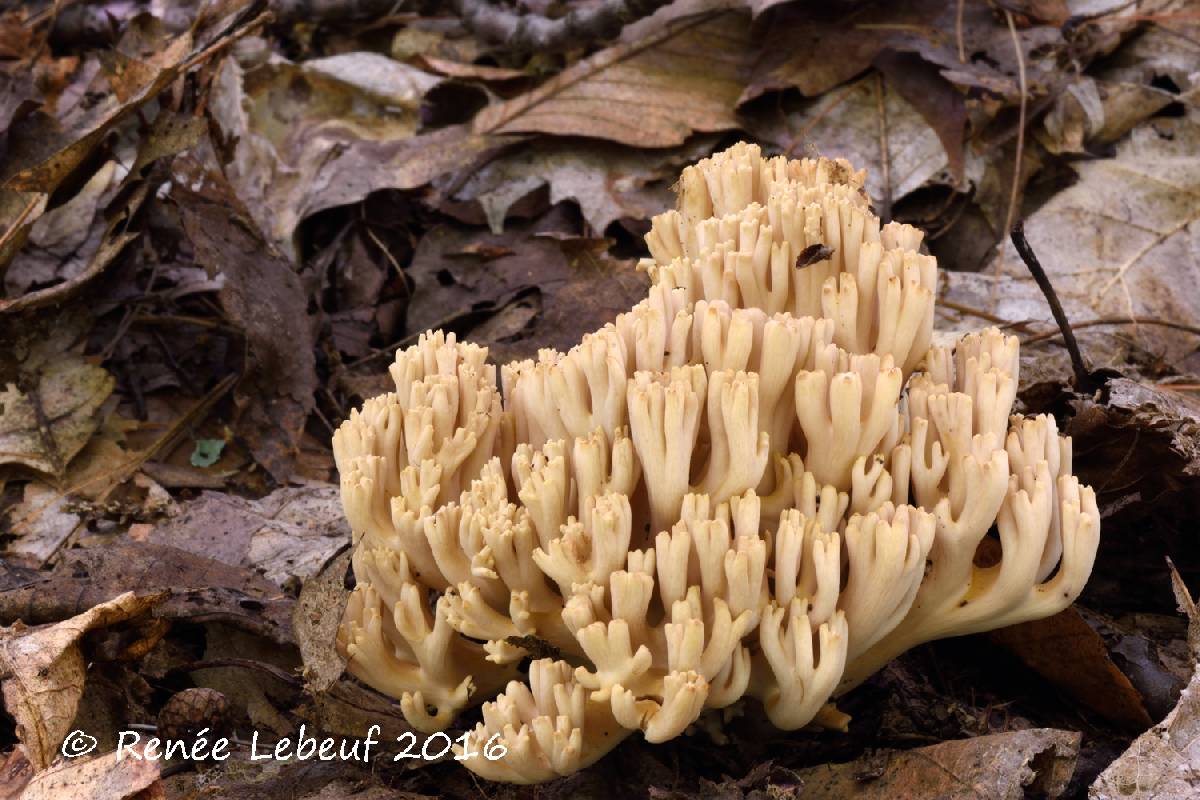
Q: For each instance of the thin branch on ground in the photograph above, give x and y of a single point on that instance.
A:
(1015, 191)
(1083, 378)
(885, 211)
(1093, 323)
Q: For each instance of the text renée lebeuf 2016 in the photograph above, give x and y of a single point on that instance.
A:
(301, 747)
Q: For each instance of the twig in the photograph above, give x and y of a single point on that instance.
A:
(885, 213)
(1020, 155)
(958, 32)
(1083, 378)
(962, 308)
(1092, 323)
(227, 38)
(24, 215)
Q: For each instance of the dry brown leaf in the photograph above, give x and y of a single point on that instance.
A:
(678, 71)
(44, 672)
(69, 392)
(202, 590)
(41, 162)
(528, 288)
(63, 239)
(1065, 651)
(1004, 766)
(316, 621)
(52, 399)
(263, 295)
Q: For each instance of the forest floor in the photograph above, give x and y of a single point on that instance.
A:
(221, 219)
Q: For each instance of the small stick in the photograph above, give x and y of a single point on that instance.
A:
(884, 158)
(1083, 378)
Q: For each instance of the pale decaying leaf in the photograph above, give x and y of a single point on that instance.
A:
(1124, 241)
(377, 76)
(46, 425)
(59, 246)
(607, 181)
(316, 620)
(1097, 111)
(41, 522)
(289, 120)
(287, 534)
(1037, 762)
(99, 778)
(846, 123)
(675, 72)
(1165, 760)
(44, 672)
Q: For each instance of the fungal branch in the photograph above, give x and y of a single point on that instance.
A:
(762, 482)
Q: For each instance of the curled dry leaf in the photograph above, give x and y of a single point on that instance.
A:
(201, 589)
(63, 239)
(44, 152)
(289, 122)
(44, 672)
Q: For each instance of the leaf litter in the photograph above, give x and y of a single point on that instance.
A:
(218, 227)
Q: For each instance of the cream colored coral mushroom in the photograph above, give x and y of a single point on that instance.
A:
(760, 482)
